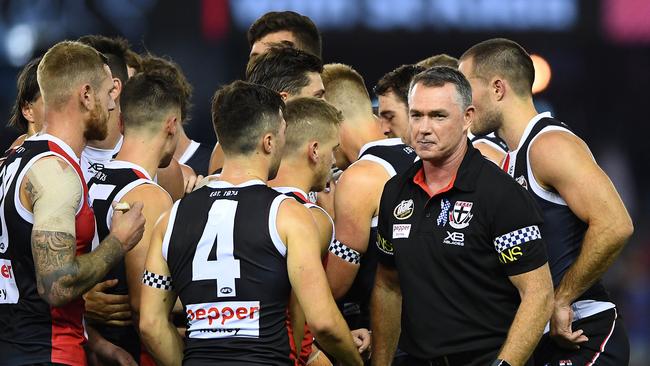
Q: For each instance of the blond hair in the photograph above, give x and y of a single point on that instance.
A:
(65, 66)
(309, 119)
(346, 90)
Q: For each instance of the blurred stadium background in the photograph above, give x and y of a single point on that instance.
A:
(598, 52)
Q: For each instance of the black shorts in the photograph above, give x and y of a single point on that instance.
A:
(608, 344)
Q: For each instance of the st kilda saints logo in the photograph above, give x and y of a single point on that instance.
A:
(404, 210)
(461, 214)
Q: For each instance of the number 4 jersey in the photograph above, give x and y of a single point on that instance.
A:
(228, 267)
(32, 331)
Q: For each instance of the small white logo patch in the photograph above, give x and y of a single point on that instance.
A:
(522, 181)
(455, 239)
(401, 231)
(404, 210)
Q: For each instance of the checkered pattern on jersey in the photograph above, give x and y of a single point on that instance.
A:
(157, 281)
(517, 237)
(344, 252)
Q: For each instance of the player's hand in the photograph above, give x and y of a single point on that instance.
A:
(561, 331)
(193, 183)
(325, 198)
(128, 227)
(362, 339)
(107, 308)
(109, 354)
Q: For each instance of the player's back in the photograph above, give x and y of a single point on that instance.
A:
(228, 267)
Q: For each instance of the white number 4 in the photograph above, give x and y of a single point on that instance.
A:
(218, 233)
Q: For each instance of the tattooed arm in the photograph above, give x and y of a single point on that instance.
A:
(52, 190)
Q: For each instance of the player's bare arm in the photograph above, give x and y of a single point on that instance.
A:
(52, 191)
(158, 334)
(386, 312)
(325, 228)
(216, 159)
(536, 292)
(156, 203)
(494, 155)
(300, 234)
(592, 197)
(356, 202)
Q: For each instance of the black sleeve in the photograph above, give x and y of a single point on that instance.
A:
(385, 247)
(516, 234)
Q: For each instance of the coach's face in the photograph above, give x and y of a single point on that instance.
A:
(438, 122)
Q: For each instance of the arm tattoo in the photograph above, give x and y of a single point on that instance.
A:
(62, 276)
(31, 191)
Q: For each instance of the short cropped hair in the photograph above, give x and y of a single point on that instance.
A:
(442, 59)
(346, 90)
(302, 27)
(150, 63)
(438, 76)
(66, 65)
(115, 51)
(242, 113)
(28, 92)
(147, 97)
(133, 60)
(283, 69)
(309, 119)
(398, 81)
(505, 58)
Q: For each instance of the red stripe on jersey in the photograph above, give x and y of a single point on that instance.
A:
(506, 162)
(67, 325)
(302, 197)
(139, 174)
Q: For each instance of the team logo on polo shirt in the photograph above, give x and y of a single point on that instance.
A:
(522, 181)
(461, 214)
(404, 210)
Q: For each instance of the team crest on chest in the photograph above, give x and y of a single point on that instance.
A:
(404, 210)
(461, 214)
(522, 181)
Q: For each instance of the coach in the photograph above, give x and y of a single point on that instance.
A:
(463, 268)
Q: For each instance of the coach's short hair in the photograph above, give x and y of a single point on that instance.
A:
(302, 27)
(115, 51)
(28, 92)
(505, 58)
(346, 90)
(147, 98)
(309, 119)
(154, 64)
(283, 69)
(438, 76)
(442, 59)
(398, 82)
(242, 113)
(65, 66)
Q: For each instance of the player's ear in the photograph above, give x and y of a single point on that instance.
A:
(284, 96)
(313, 151)
(498, 89)
(171, 124)
(268, 143)
(86, 95)
(27, 111)
(117, 89)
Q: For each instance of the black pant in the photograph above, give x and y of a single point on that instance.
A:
(608, 344)
(471, 358)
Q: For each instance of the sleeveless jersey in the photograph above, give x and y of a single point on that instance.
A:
(300, 357)
(491, 139)
(563, 231)
(112, 183)
(396, 157)
(94, 159)
(32, 330)
(228, 266)
(197, 156)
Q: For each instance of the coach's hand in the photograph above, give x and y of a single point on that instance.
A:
(561, 331)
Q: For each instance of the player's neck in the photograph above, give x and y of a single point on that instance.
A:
(67, 125)
(515, 120)
(240, 169)
(113, 135)
(368, 130)
(183, 144)
(293, 175)
(438, 174)
(144, 151)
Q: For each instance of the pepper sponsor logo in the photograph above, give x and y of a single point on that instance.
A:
(8, 289)
(401, 231)
(224, 319)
